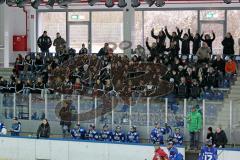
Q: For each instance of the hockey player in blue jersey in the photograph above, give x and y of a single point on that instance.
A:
(173, 152)
(105, 134)
(3, 130)
(118, 135)
(177, 137)
(157, 134)
(77, 132)
(208, 152)
(92, 134)
(133, 136)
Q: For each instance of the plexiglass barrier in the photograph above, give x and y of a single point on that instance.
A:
(140, 112)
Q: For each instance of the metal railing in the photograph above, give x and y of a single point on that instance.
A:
(141, 112)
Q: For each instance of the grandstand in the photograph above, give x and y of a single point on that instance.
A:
(87, 78)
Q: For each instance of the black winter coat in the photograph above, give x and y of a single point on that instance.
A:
(209, 41)
(219, 65)
(160, 41)
(196, 43)
(43, 131)
(176, 39)
(228, 46)
(220, 139)
(44, 43)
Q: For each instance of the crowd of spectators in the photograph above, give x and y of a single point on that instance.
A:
(189, 75)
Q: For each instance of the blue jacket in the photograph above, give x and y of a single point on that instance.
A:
(16, 129)
(157, 135)
(133, 137)
(105, 136)
(118, 137)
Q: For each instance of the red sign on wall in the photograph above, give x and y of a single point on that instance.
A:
(19, 43)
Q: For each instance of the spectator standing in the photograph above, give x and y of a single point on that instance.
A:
(83, 50)
(66, 117)
(196, 41)
(152, 49)
(44, 129)
(44, 43)
(16, 127)
(185, 50)
(194, 122)
(140, 52)
(203, 53)
(174, 37)
(103, 51)
(228, 44)
(59, 44)
(210, 134)
(208, 40)
(160, 39)
(220, 138)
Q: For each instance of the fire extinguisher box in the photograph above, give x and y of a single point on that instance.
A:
(19, 43)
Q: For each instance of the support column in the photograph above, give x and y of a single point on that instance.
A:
(7, 37)
(128, 24)
(32, 32)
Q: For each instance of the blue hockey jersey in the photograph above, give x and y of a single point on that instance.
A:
(208, 153)
(92, 135)
(1, 126)
(157, 135)
(105, 136)
(177, 139)
(118, 137)
(78, 133)
(174, 155)
(133, 137)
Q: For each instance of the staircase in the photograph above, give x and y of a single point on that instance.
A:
(223, 118)
(6, 73)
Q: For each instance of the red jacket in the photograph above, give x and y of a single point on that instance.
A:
(160, 153)
(231, 67)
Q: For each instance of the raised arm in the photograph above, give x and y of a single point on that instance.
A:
(190, 35)
(166, 31)
(179, 32)
(201, 37)
(214, 36)
(152, 34)
(147, 44)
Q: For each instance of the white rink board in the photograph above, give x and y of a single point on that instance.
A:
(58, 149)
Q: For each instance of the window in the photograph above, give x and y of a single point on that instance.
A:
(52, 22)
(172, 19)
(137, 31)
(233, 25)
(107, 27)
(212, 15)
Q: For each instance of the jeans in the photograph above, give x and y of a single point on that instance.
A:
(194, 139)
